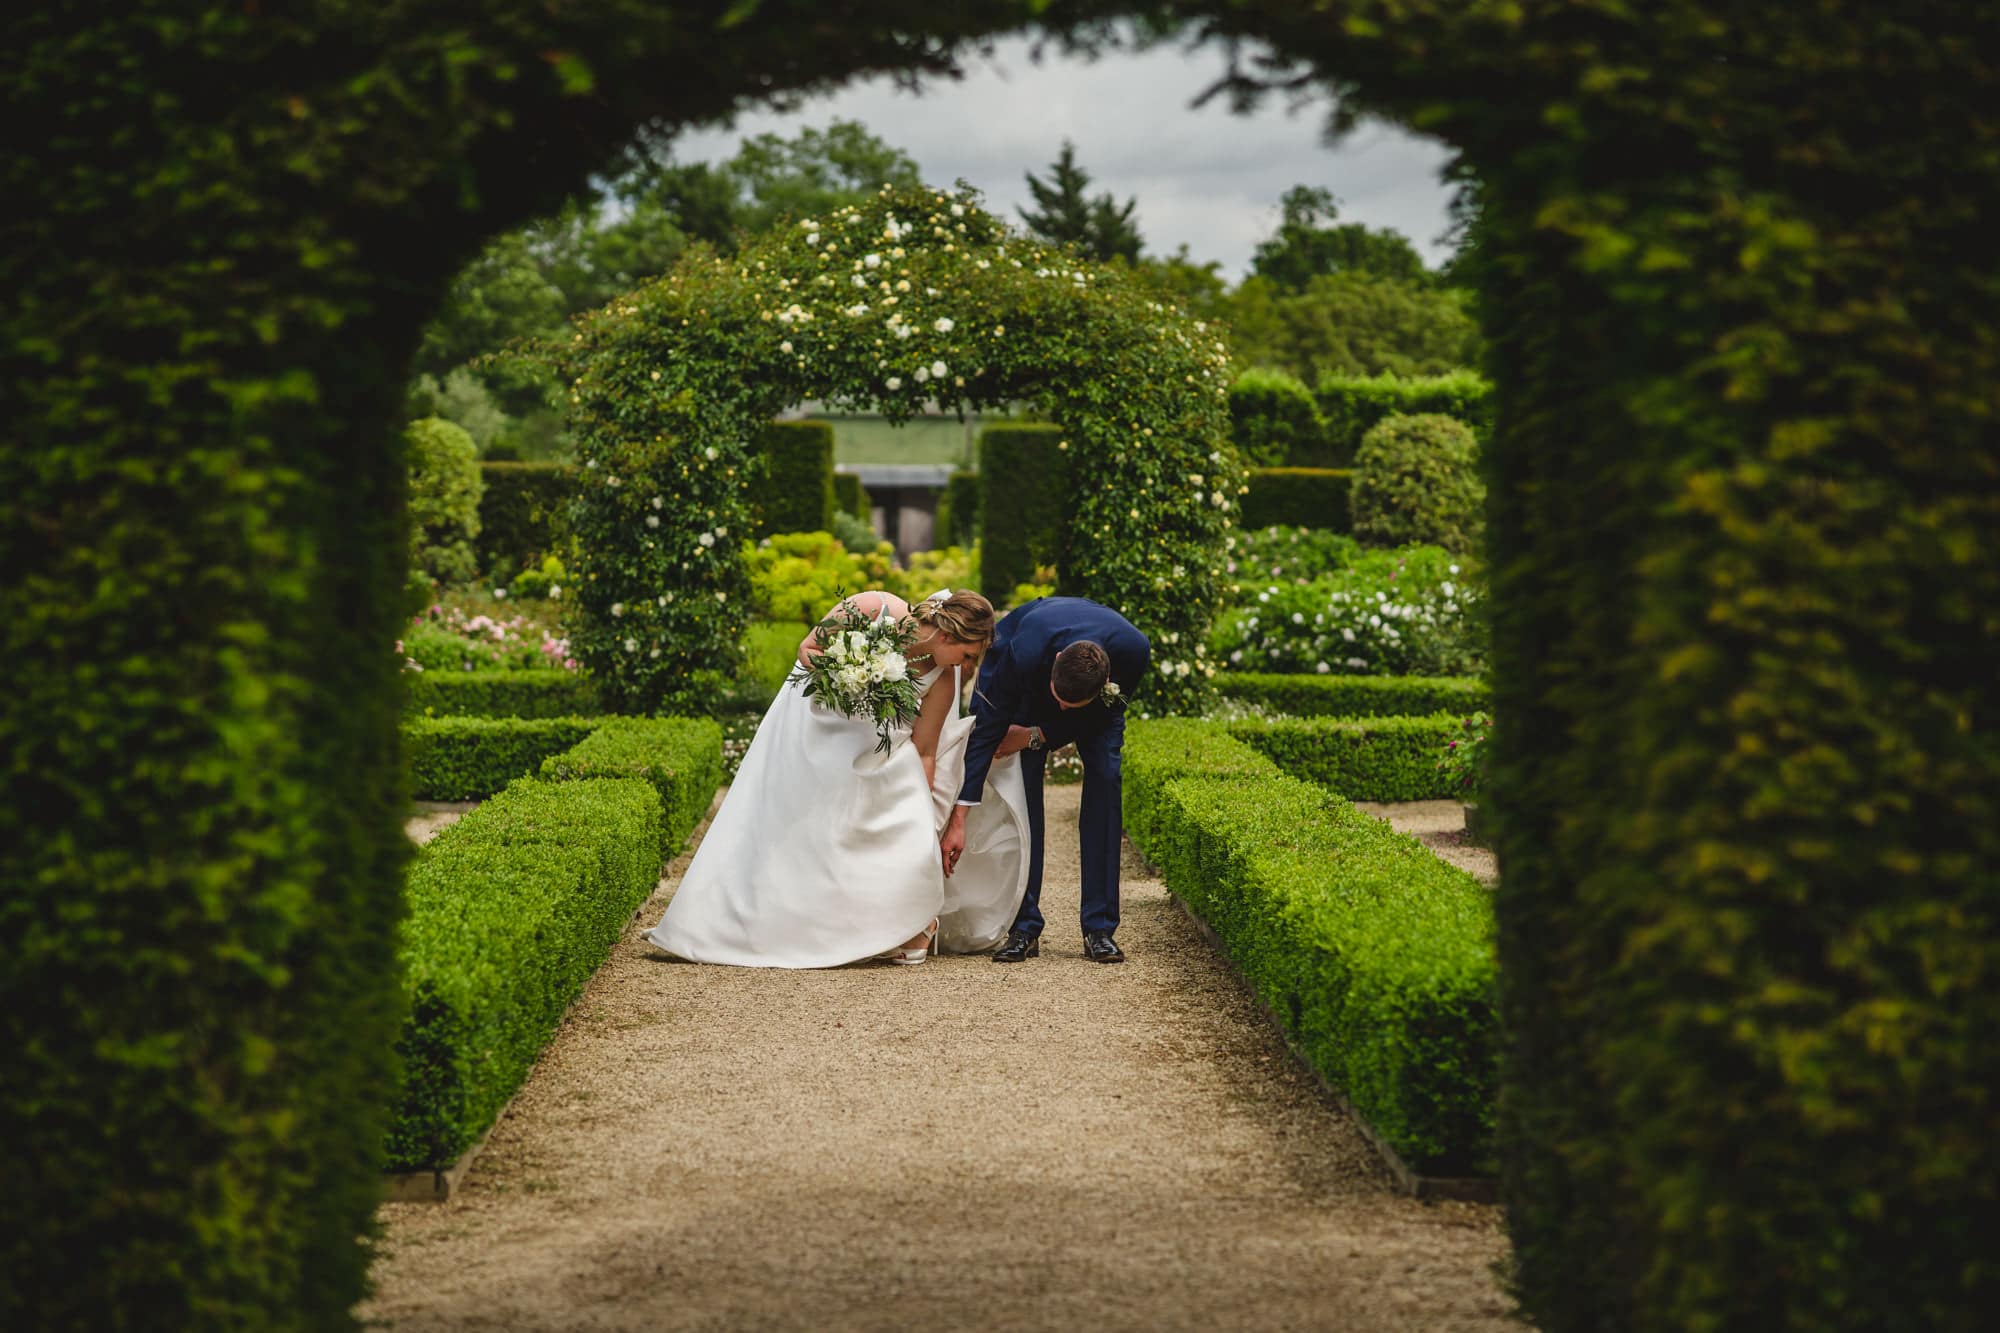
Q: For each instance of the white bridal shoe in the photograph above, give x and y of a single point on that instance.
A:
(907, 957)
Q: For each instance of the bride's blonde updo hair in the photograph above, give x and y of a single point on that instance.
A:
(964, 617)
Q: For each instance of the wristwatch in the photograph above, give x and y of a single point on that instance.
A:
(1035, 739)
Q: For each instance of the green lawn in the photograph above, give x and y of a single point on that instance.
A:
(925, 440)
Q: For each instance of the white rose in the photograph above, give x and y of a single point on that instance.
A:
(938, 369)
(785, 347)
(710, 454)
(923, 375)
(618, 608)
(659, 502)
(631, 645)
(893, 383)
(943, 326)
(872, 261)
(895, 667)
(857, 642)
(652, 520)
(707, 539)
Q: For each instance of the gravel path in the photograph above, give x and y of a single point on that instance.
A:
(1052, 1145)
(1440, 826)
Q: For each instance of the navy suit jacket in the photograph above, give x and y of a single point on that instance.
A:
(1013, 685)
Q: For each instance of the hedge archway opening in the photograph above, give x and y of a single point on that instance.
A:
(1738, 287)
(914, 296)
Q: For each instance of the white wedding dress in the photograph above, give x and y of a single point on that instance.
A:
(825, 851)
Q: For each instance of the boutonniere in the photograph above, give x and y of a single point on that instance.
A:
(1111, 696)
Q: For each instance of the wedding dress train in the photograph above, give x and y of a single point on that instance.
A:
(826, 852)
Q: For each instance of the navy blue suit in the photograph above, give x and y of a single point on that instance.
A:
(1013, 690)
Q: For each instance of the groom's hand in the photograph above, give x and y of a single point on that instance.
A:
(1016, 739)
(951, 843)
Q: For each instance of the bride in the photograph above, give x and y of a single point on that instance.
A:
(826, 852)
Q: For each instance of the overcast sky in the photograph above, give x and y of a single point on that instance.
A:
(1210, 178)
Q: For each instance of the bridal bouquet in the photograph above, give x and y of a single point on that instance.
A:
(860, 670)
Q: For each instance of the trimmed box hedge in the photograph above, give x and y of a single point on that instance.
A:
(1298, 497)
(795, 494)
(958, 510)
(1023, 485)
(1357, 696)
(1353, 404)
(511, 910)
(523, 514)
(1373, 955)
(849, 494)
(497, 692)
(681, 758)
(1362, 758)
(468, 758)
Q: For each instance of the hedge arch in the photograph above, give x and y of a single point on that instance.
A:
(1740, 288)
(920, 294)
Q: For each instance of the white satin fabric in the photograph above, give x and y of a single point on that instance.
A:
(826, 852)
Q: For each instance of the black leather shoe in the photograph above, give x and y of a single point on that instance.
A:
(1099, 947)
(1018, 948)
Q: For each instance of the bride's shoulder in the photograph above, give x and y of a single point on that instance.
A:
(876, 601)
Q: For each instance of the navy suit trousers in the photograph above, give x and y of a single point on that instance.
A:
(1100, 829)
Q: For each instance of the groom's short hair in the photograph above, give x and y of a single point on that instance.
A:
(1080, 672)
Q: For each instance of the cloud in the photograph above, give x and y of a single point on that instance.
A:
(1208, 178)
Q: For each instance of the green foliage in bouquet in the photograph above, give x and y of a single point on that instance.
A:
(1416, 479)
(445, 488)
(858, 670)
(914, 296)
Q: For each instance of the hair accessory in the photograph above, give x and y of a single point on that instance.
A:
(941, 595)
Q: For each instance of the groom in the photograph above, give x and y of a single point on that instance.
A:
(1045, 682)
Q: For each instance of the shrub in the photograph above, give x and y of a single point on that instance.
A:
(1412, 611)
(954, 567)
(1274, 420)
(1464, 761)
(1021, 525)
(1306, 497)
(1373, 955)
(1362, 758)
(854, 534)
(796, 576)
(500, 693)
(523, 514)
(538, 582)
(1355, 696)
(447, 639)
(794, 492)
(469, 758)
(680, 757)
(958, 509)
(510, 911)
(850, 496)
(1258, 557)
(1416, 479)
(771, 650)
(1159, 750)
(445, 488)
(1352, 405)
